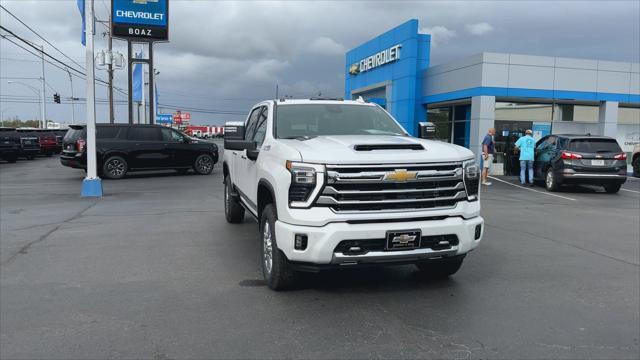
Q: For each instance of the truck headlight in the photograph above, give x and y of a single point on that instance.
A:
(306, 182)
(471, 174)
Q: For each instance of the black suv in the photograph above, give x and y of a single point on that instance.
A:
(122, 148)
(9, 144)
(29, 143)
(580, 159)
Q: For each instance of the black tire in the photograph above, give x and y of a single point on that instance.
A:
(233, 211)
(31, 157)
(12, 159)
(636, 166)
(612, 188)
(551, 181)
(441, 268)
(276, 269)
(115, 167)
(203, 164)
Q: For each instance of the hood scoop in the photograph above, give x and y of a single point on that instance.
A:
(371, 147)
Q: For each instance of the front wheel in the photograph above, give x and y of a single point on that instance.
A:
(441, 268)
(203, 164)
(551, 183)
(115, 167)
(612, 188)
(276, 269)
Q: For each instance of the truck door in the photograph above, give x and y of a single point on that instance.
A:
(244, 168)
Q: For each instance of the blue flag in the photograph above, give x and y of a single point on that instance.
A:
(84, 24)
(138, 86)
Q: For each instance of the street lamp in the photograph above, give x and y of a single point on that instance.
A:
(37, 92)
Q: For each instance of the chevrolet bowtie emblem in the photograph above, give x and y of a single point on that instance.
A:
(144, 2)
(354, 69)
(400, 175)
(403, 239)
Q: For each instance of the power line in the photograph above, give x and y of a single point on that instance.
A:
(40, 36)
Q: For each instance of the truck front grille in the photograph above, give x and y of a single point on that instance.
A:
(392, 187)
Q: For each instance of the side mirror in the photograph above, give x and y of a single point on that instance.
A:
(234, 130)
(253, 154)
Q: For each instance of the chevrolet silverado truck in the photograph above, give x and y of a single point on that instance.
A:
(336, 184)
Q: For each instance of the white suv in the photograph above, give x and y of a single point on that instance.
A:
(337, 183)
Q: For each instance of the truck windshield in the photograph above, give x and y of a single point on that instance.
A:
(310, 120)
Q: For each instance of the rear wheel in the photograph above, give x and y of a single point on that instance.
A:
(115, 167)
(233, 211)
(11, 159)
(441, 268)
(203, 164)
(612, 188)
(276, 269)
(551, 183)
(636, 166)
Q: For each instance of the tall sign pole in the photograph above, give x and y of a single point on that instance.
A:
(143, 22)
(91, 185)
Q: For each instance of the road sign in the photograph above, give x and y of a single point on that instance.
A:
(164, 118)
(140, 20)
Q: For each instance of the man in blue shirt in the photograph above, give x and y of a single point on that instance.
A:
(527, 145)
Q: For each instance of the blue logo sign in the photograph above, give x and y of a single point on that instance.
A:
(142, 12)
(164, 118)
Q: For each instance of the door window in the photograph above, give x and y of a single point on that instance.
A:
(261, 128)
(146, 133)
(171, 135)
(107, 132)
(252, 123)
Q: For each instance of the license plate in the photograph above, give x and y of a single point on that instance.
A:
(28, 142)
(403, 240)
(597, 162)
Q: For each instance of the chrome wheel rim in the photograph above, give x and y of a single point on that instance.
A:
(204, 164)
(115, 167)
(226, 197)
(267, 248)
(549, 179)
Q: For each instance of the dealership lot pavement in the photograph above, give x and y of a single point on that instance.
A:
(152, 270)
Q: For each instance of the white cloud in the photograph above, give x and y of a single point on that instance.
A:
(326, 45)
(439, 34)
(479, 29)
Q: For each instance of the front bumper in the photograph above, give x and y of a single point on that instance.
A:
(322, 240)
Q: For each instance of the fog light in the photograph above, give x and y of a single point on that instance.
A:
(300, 242)
(478, 231)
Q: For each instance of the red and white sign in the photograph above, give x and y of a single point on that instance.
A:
(181, 118)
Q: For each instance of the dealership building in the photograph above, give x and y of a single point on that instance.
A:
(509, 92)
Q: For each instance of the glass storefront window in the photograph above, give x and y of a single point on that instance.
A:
(441, 118)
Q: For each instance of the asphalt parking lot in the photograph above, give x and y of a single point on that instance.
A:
(153, 271)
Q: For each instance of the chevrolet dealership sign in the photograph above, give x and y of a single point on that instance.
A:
(383, 57)
(141, 20)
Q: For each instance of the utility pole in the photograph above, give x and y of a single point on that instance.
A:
(43, 111)
(110, 72)
(73, 108)
(91, 185)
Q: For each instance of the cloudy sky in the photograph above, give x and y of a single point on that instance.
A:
(225, 56)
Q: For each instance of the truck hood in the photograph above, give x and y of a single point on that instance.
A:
(341, 149)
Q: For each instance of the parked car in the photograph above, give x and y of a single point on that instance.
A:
(29, 143)
(337, 184)
(59, 133)
(9, 144)
(123, 148)
(48, 142)
(635, 162)
(580, 159)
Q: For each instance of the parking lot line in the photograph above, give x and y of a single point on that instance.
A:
(534, 190)
(633, 191)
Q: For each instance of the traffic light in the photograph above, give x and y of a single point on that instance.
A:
(56, 98)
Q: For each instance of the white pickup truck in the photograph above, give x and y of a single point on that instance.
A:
(338, 183)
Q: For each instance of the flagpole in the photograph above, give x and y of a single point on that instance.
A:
(91, 185)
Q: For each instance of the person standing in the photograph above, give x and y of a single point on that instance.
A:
(488, 148)
(527, 145)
